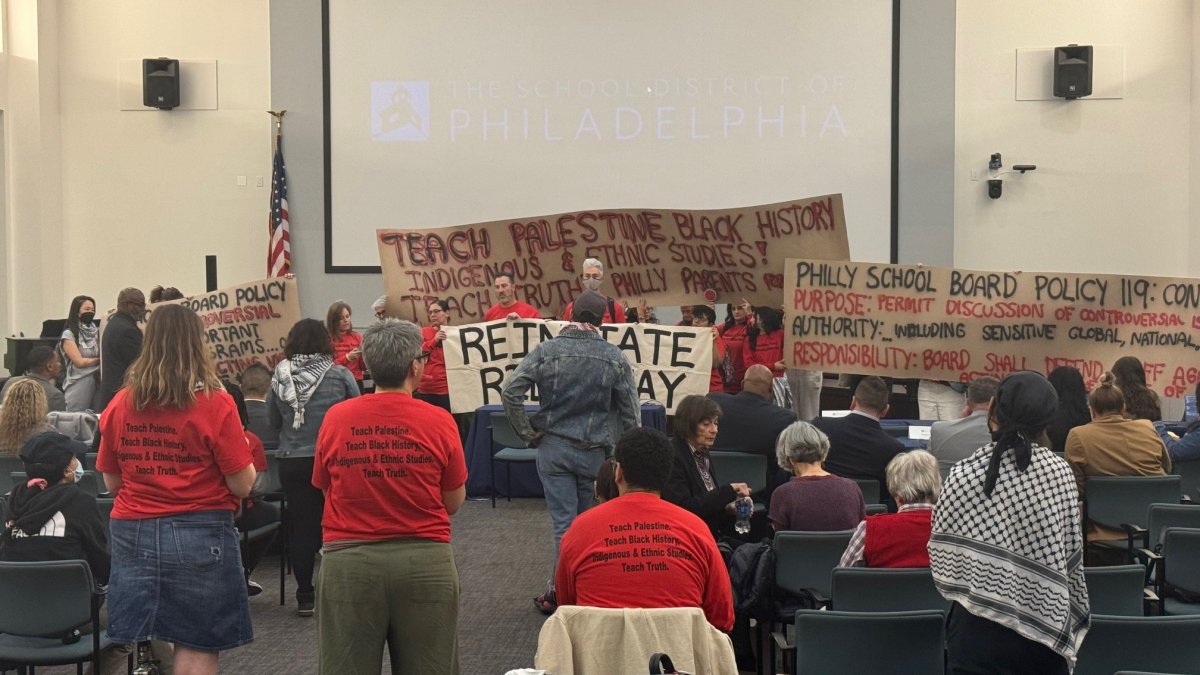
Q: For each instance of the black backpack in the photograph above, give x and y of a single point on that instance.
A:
(752, 573)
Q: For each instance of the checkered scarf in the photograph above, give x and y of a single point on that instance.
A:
(1014, 557)
(297, 378)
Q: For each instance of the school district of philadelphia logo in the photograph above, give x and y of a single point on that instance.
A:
(399, 111)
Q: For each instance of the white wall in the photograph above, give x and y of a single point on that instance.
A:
(1112, 189)
(99, 198)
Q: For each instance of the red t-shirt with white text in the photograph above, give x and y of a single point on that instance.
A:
(523, 310)
(384, 461)
(639, 550)
(172, 460)
(433, 378)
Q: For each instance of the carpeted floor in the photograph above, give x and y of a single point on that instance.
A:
(503, 558)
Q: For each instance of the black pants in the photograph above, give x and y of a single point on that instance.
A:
(256, 513)
(305, 505)
(978, 646)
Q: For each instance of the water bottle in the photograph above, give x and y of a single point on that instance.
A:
(744, 507)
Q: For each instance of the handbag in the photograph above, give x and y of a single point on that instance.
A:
(660, 664)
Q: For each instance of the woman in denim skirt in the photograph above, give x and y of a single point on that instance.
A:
(173, 451)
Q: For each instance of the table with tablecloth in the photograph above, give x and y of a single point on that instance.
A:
(525, 482)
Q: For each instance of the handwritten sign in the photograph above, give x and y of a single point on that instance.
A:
(669, 362)
(953, 324)
(664, 256)
(246, 324)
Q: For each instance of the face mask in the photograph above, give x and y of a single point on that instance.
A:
(591, 284)
(78, 471)
(87, 317)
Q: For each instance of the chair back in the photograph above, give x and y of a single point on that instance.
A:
(1189, 478)
(868, 589)
(870, 490)
(876, 509)
(805, 560)
(50, 597)
(1181, 548)
(870, 642)
(274, 486)
(1163, 644)
(1116, 590)
(600, 641)
(105, 504)
(740, 467)
(1115, 500)
(89, 461)
(9, 464)
(944, 467)
(504, 435)
(1163, 516)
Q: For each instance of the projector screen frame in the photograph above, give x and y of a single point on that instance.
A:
(331, 268)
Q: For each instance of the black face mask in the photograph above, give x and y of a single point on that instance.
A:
(87, 317)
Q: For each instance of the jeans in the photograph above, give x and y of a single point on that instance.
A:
(568, 478)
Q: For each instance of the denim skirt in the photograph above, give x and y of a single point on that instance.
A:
(178, 579)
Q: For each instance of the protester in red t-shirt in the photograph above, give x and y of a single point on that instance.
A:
(764, 341)
(703, 316)
(433, 387)
(509, 307)
(733, 332)
(174, 452)
(640, 551)
(347, 344)
(393, 472)
(590, 280)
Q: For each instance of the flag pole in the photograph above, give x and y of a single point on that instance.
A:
(278, 115)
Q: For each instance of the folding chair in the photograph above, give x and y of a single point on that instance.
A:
(870, 490)
(1189, 475)
(870, 642)
(513, 450)
(9, 464)
(49, 598)
(1123, 503)
(873, 589)
(1119, 590)
(804, 563)
(1179, 570)
(742, 467)
(1163, 644)
(276, 494)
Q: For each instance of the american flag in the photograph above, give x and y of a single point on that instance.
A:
(279, 252)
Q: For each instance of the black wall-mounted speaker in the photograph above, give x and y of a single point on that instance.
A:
(1073, 71)
(160, 83)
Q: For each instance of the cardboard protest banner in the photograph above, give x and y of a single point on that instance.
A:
(669, 362)
(953, 324)
(664, 256)
(246, 324)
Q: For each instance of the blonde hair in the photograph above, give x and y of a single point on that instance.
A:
(25, 407)
(174, 362)
(1107, 398)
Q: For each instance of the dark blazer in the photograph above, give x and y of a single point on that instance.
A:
(685, 487)
(751, 423)
(858, 447)
(121, 344)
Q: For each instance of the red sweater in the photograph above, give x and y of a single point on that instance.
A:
(433, 381)
(898, 539)
(343, 346)
(767, 351)
(734, 336)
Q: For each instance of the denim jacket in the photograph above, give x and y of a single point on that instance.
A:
(338, 385)
(586, 389)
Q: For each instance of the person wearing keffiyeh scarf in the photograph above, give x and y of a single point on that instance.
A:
(306, 384)
(1007, 548)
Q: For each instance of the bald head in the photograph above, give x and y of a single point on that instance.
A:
(758, 381)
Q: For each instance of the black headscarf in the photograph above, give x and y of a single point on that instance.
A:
(1025, 403)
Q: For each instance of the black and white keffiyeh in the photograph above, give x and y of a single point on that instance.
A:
(296, 379)
(1014, 557)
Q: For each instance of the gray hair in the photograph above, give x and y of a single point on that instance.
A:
(592, 262)
(913, 477)
(388, 349)
(801, 442)
(379, 303)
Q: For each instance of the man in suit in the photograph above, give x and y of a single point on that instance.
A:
(751, 422)
(858, 446)
(256, 382)
(120, 344)
(953, 440)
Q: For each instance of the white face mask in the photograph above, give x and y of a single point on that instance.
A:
(591, 284)
(78, 470)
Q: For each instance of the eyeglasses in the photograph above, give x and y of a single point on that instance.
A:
(436, 311)
(381, 314)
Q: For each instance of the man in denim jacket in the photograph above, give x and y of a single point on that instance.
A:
(588, 399)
